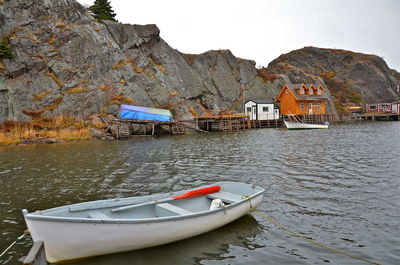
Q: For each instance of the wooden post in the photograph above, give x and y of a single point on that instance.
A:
(36, 255)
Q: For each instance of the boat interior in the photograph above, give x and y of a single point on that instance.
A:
(151, 206)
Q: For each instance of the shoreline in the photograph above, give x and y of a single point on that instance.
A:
(23, 134)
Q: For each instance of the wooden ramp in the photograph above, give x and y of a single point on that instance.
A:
(36, 255)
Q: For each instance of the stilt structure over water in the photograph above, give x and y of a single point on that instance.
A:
(223, 122)
(381, 116)
(126, 128)
(233, 122)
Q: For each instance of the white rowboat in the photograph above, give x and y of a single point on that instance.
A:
(116, 225)
(304, 126)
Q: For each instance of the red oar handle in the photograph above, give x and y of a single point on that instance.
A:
(199, 192)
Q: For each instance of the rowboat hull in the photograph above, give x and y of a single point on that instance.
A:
(304, 126)
(68, 239)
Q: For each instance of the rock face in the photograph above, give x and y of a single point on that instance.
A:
(66, 63)
(352, 78)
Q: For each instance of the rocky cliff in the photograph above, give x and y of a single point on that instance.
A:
(65, 62)
(352, 78)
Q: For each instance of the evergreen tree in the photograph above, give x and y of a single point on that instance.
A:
(102, 10)
(5, 49)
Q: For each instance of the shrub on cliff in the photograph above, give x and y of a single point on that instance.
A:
(102, 10)
(5, 49)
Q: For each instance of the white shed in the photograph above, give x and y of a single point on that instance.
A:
(261, 110)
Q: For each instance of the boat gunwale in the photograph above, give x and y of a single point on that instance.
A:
(36, 215)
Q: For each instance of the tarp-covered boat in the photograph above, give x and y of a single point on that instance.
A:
(144, 113)
(109, 226)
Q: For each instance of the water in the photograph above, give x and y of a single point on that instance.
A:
(338, 186)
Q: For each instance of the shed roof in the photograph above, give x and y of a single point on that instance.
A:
(261, 101)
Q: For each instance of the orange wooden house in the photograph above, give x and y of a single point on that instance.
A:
(302, 99)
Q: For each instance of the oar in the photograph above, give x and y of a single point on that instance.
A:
(190, 194)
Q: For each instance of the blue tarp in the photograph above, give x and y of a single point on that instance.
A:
(144, 113)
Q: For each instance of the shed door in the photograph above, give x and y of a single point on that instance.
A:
(254, 113)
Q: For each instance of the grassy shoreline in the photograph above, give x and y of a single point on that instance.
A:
(44, 130)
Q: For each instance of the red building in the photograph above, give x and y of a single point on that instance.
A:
(384, 107)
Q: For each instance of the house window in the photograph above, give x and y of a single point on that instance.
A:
(301, 105)
(319, 91)
(301, 90)
(248, 109)
(287, 91)
(318, 105)
(372, 107)
(310, 91)
(265, 109)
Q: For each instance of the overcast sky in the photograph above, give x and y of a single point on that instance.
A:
(261, 30)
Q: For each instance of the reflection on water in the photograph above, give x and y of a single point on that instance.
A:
(338, 186)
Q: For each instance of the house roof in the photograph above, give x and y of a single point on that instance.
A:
(306, 96)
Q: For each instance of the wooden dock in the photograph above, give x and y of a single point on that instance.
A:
(124, 128)
(278, 123)
(233, 122)
(380, 116)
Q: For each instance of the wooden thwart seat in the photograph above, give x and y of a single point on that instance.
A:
(98, 215)
(226, 197)
(173, 209)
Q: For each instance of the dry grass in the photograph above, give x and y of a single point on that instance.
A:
(10, 35)
(2, 67)
(59, 128)
(56, 79)
(266, 77)
(192, 111)
(136, 69)
(32, 37)
(121, 63)
(120, 99)
(328, 74)
(37, 55)
(41, 95)
(60, 24)
(104, 87)
(75, 90)
(52, 39)
(173, 94)
(54, 104)
(162, 69)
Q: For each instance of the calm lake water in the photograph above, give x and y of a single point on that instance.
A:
(338, 186)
